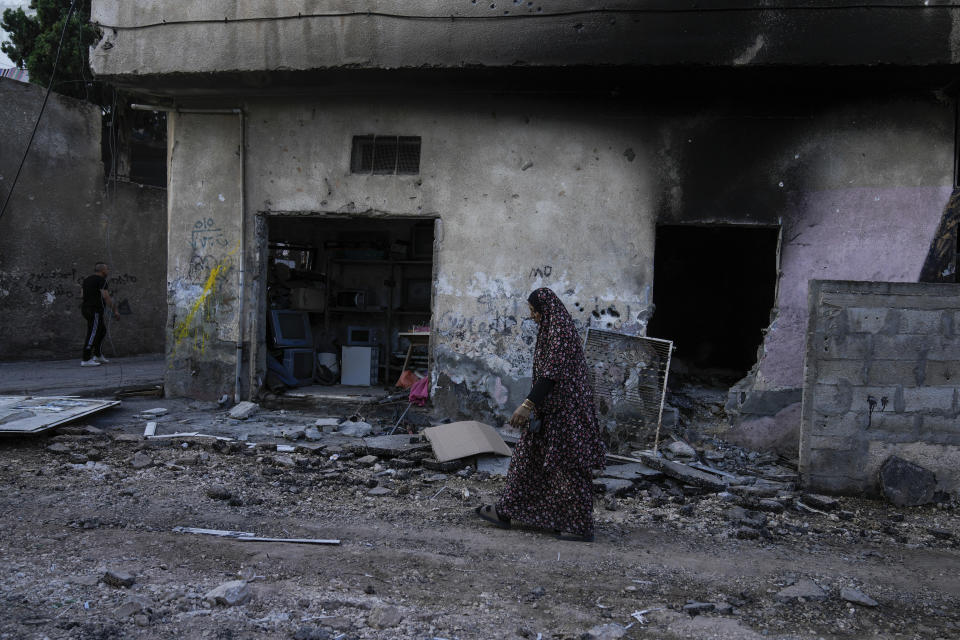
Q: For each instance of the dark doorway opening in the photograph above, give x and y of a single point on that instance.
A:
(713, 290)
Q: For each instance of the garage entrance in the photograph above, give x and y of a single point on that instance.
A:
(346, 298)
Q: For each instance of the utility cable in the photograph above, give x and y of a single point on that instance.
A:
(43, 106)
(539, 14)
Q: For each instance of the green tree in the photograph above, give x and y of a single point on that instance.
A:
(33, 46)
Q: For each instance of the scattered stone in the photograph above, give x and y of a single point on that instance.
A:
(58, 447)
(141, 460)
(684, 473)
(356, 429)
(803, 590)
(229, 594)
(312, 434)
(79, 458)
(86, 581)
(132, 606)
(857, 597)
(327, 422)
(682, 450)
(746, 533)
(942, 534)
(285, 461)
(156, 412)
(296, 434)
(696, 608)
(369, 590)
(118, 578)
(724, 608)
(824, 503)
(610, 631)
(367, 461)
(219, 492)
(379, 491)
(906, 484)
(141, 620)
(384, 616)
(94, 454)
(311, 633)
(244, 410)
(613, 486)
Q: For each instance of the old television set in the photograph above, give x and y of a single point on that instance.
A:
(361, 336)
(291, 328)
(299, 364)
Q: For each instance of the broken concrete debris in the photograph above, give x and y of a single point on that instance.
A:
(118, 578)
(857, 597)
(229, 594)
(803, 590)
(244, 410)
(907, 484)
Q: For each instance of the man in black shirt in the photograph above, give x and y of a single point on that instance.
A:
(96, 299)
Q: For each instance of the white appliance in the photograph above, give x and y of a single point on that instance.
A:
(358, 366)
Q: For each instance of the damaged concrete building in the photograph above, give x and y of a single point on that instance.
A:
(668, 169)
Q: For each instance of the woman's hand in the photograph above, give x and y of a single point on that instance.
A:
(520, 417)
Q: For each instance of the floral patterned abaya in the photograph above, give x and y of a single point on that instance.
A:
(550, 484)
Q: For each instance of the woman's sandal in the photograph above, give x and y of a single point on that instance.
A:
(571, 537)
(489, 513)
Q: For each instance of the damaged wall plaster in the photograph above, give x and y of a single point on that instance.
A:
(858, 185)
(54, 230)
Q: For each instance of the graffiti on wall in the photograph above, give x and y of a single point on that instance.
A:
(202, 296)
(207, 234)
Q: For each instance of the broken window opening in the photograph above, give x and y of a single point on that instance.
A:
(714, 288)
(386, 155)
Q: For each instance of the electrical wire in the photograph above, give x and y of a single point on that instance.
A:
(538, 14)
(43, 106)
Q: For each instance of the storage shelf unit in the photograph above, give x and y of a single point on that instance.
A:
(393, 270)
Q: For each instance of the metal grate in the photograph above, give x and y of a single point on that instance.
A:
(629, 375)
(386, 155)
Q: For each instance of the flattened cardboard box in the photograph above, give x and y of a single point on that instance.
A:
(463, 439)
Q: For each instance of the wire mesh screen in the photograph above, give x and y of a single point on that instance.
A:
(629, 376)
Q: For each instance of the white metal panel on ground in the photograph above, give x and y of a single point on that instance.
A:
(28, 414)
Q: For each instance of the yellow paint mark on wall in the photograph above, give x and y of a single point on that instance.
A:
(183, 328)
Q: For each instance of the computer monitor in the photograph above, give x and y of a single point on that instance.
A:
(291, 328)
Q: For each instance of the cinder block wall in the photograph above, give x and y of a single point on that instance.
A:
(882, 378)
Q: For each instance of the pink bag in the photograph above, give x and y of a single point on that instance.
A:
(420, 391)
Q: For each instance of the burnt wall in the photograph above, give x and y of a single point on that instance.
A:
(60, 221)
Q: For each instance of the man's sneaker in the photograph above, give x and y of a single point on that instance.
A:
(101, 359)
(89, 363)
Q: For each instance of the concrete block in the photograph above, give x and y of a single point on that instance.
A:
(928, 399)
(900, 347)
(832, 460)
(855, 346)
(769, 403)
(845, 443)
(920, 321)
(943, 348)
(832, 400)
(829, 483)
(942, 429)
(833, 371)
(940, 373)
(868, 320)
(906, 372)
(893, 425)
(846, 425)
(919, 300)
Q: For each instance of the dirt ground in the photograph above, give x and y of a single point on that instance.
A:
(416, 562)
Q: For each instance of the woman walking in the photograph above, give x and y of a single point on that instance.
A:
(550, 484)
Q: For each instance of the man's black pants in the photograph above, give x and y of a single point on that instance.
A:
(96, 330)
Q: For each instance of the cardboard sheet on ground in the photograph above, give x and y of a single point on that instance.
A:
(463, 439)
(26, 414)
